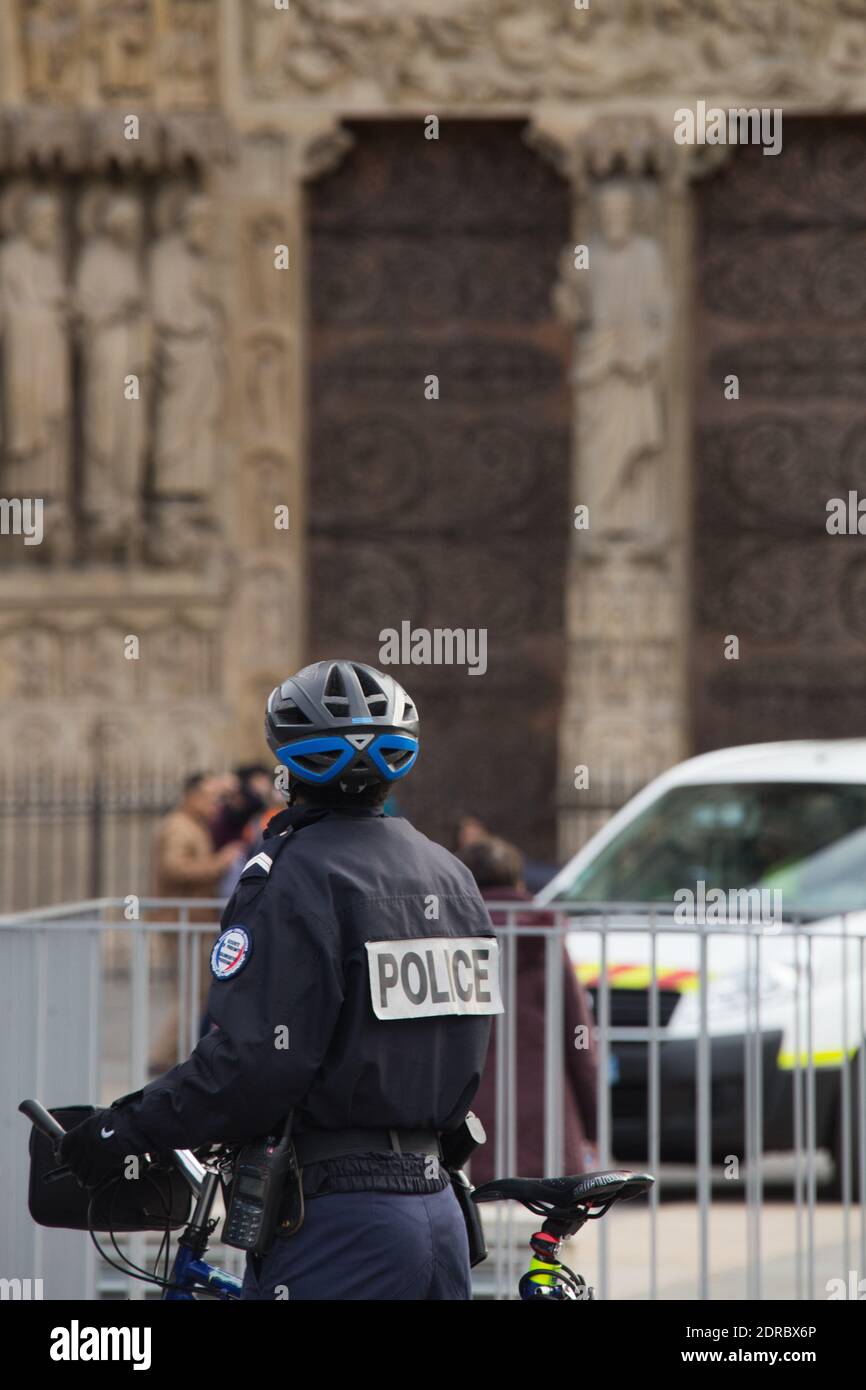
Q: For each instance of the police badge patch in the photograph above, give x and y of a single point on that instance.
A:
(230, 953)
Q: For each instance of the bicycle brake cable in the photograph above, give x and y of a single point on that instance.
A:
(129, 1267)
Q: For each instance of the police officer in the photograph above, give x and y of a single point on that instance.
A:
(353, 987)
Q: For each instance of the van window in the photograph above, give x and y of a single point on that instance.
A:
(809, 840)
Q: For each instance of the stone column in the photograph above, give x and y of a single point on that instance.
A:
(264, 197)
(625, 715)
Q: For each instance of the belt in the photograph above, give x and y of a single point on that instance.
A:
(316, 1144)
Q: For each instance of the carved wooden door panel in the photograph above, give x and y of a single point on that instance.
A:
(439, 257)
(781, 303)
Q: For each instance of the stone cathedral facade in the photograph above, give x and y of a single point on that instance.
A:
(167, 390)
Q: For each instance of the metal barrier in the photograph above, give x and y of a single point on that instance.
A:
(715, 1043)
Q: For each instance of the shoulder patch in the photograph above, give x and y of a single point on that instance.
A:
(230, 953)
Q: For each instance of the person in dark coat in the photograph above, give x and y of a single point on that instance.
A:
(498, 870)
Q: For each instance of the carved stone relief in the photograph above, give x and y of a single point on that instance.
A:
(164, 49)
(268, 290)
(81, 656)
(483, 52)
(123, 35)
(266, 484)
(52, 44)
(267, 367)
(111, 348)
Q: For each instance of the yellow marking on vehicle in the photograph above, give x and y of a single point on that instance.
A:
(787, 1061)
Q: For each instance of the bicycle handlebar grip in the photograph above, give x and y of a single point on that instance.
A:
(41, 1120)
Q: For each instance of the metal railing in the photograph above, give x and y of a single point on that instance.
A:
(714, 1043)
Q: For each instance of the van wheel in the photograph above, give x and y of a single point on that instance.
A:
(853, 1137)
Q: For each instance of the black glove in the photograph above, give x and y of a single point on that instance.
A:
(95, 1149)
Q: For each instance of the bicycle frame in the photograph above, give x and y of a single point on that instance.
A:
(191, 1272)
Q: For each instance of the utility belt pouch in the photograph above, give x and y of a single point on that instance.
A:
(457, 1148)
(292, 1210)
(471, 1215)
(266, 1182)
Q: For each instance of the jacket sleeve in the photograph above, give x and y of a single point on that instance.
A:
(274, 1021)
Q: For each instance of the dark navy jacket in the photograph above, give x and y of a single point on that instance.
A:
(295, 992)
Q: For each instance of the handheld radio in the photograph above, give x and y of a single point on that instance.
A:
(261, 1173)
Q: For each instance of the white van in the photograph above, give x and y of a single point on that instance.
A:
(773, 834)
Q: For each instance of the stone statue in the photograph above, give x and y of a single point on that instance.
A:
(115, 344)
(123, 31)
(619, 306)
(266, 385)
(36, 382)
(189, 357)
(52, 32)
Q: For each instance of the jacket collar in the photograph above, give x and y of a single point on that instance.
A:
(296, 817)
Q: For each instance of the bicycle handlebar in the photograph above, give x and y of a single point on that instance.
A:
(42, 1120)
(184, 1159)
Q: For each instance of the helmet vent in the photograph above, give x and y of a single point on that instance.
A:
(316, 762)
(409, 711)
(290, 713)
(397, 757)
(335, 699)
(377, 700)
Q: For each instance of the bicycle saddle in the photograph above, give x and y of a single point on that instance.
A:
(564, 1194)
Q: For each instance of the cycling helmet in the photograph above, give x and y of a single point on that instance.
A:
(340, 721)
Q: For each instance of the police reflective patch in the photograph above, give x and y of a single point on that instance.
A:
(230, 953)
(434, 976)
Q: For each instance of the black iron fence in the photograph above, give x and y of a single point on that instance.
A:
(73, 837)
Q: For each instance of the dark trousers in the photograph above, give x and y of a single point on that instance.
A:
(368, 1245)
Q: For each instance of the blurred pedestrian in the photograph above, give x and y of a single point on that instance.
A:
(259, 800)
(469, 830)
(186, 865)
(247, 795)
(498, 870)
